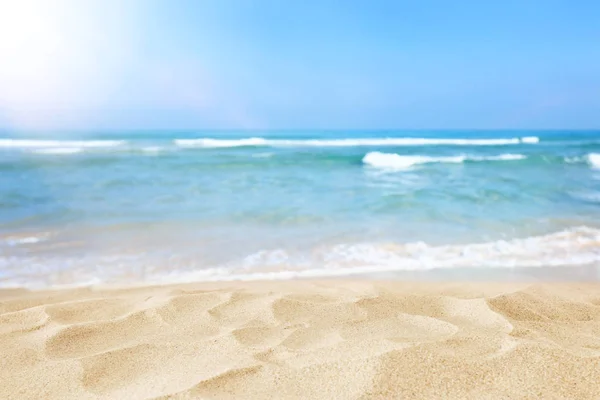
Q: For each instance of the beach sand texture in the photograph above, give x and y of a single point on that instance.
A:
(303, 340)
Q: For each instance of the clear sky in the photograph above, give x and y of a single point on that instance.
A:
(110, 64)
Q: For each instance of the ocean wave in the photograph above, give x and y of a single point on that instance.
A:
(22, 240)
(63, 144)
(574, 160)
(396, 161)
(58, 150)
(257, 141)
(217, 143)
(530, 139)
(576, 246)
(501, 157)
(95, 147)
(572, 247)
(594, 160)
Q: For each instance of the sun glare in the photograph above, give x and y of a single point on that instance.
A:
(60, 57)
(30, 50)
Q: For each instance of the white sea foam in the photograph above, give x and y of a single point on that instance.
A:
(399, 142)
(216, 143)
(594, 160)
(27, 143)
(20, 240)
(396, 161)
(390, 160)
(573, 160)
(256, 141)
(530, 139)
(576, 246)
(501, 157)
(58, 150)
(572, 247)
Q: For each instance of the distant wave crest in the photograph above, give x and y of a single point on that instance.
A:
(216, 143)
(257, 141)
(58, 150)
(530, 139)
(396, 161)
(62, 144)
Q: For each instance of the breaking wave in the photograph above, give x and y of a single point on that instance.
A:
(594, 160)
(571, 247)
(396, 161)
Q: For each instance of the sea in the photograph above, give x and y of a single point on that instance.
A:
(155, 207)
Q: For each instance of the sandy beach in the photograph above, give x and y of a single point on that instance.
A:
(304, 340)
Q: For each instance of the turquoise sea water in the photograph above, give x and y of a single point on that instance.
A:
(126, 207)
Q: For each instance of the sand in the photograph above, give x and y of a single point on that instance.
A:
(303, 340)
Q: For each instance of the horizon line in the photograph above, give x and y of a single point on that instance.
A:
(205, 129)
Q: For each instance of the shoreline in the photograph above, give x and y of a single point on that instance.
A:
(331, 338)
(41, 260)
(487, 275)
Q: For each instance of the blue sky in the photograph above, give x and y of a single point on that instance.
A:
(312, 64)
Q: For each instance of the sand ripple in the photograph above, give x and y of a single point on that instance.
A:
(317, 340)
